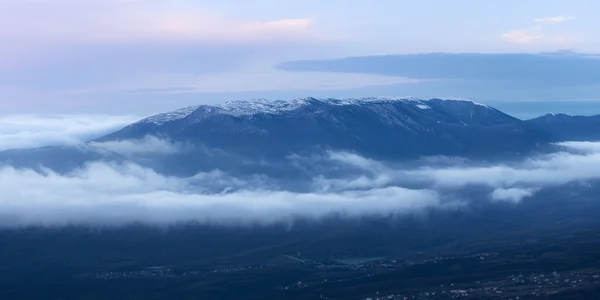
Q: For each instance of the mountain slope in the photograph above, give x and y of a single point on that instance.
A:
(569, 128)
(378, 127)
(249, 137)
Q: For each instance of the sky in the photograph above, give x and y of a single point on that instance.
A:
(138, 57)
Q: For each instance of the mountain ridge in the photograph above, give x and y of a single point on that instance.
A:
(239, 133)
(262, 105)
(569, 127)
(378, 126)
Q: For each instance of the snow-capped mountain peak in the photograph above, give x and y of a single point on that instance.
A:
(389, 127)
(249, 107)
(162, 118)
(256, 106)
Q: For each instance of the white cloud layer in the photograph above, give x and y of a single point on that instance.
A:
(106, 194)
(585, 147)
(554, 169)
(115, 194)
(513, 181)
(30, 131)
(514, 195)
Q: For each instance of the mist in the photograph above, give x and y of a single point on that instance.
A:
(103, 193)
(30, 131)
(112, 195)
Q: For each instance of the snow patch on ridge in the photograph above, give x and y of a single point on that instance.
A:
(170, 116)
(251, 107)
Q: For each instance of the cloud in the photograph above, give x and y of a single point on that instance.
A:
(512, 181)
(30, 131)
(147, 145)
(277, 26)
(277, 80)
(57, 46)
(540, 34)
(119, 22)
(562, 75)
(110, 194)
(530, 70)
(514, 195)
(523, 36)
(554, 169)
(558, 19)
(252, 80)
(585, 147)
(536, 36)
(356, 160)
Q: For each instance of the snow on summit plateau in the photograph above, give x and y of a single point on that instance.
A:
(250, 107)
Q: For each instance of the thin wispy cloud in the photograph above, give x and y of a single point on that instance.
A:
(523, 36)
(541, 34)
(558, 19)
(514, 195)
(123, 45)
(120, 22)
(270, 79)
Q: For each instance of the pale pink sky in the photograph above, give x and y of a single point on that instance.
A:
(75, 47)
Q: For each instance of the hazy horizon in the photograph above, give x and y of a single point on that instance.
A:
(143, 57)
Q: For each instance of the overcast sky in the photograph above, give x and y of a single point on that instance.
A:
(135, 57)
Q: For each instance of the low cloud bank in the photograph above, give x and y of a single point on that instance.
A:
(582, 147)
(554, 169)
(110, 194)
(30, 131)
(114, 194)
(512, 180)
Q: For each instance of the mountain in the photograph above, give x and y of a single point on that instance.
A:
(377, 127)
(569, 128)
(240, 136)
